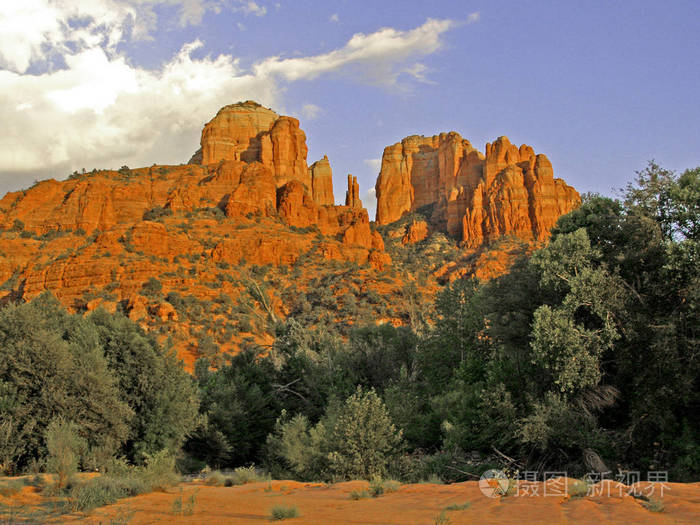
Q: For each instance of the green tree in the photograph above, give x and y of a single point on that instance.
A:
(52, 365)
(355, 439)
(152, 381)
(361, 437)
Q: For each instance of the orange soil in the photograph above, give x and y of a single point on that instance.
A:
(411, 504)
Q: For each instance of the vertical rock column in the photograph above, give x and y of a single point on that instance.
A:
(352, 196)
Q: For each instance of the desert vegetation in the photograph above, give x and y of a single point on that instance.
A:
(583, 357)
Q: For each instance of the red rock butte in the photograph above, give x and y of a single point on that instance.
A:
(252, 163)
(473, 197)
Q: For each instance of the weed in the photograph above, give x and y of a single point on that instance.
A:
(654, 505)
(359, 494)
(442, 519)
(243, 475)
(96, 493)
(188, 509)
(376, 487)
(217, 479)
(176, 507)
(391, 485)
(10, 487)
(577, 489)
(457, 506)
(123, 517)
(281, 512)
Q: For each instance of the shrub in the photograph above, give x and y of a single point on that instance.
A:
(123, 480)
(243, 475)
(442, 519)
(281, 512)
(654, 505)
(577, 488)
(458, 506)
(216, 478)
(64, 448)
(97, 492)
(184, 508)
(159, 472)
(11, 486)
(353, 440)
(152, 288)
(362, 439)
(376, 487)
(156, 213)
(359, 494)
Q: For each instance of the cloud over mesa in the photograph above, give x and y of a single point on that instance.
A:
(100, 110)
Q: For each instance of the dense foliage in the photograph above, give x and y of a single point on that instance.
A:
(583, 357)
(102, 375)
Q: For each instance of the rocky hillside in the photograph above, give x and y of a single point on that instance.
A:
(211, 254)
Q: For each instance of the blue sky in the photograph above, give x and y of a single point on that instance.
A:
(600, 87)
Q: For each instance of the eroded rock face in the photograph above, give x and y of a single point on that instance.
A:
(249, 132)
(474, 197)
(322, 182)
(352, 195)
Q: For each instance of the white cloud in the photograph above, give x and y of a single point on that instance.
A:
(96, 109)
(334, 18)
(473, 17)
(374, 164)
(102, 111)
(252, 8)
(310, 111)
(376, 57)
(31, 29)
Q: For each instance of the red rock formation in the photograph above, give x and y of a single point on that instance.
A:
(415, 232)
(352, 195)
(322, 182)
(249, 132)
(475, 197)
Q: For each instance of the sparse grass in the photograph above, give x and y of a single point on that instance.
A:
(442, 519)
(123, 481)
(378, 486)
(243, 475)
(97, 492)
(391, 485)
(12, 486)
(654, 505)
(282, 512)
(359, 494)
(458, 506)
(433, 479)
(217, 479)
(181, 507)
(123, 517)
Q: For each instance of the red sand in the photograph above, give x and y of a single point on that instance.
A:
(412, 504)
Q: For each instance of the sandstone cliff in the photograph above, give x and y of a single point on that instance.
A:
(475, 198)
(249, 132)
(246, 200)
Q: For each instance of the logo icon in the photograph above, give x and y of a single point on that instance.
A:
(493, 483)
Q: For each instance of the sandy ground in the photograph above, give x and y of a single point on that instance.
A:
(412, 504)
